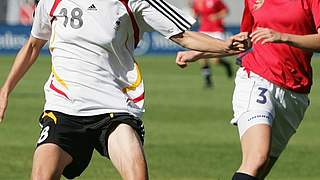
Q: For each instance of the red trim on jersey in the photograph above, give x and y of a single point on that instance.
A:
(54, 7)
(136, 31)
(138, 99)
(58, 90)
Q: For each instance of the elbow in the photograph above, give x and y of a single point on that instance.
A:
(35, 45)
(181, 39)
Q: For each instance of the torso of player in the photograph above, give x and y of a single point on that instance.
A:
(204, 9)
(93, 70)
(282, 64)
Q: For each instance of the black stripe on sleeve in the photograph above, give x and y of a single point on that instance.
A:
(168, 14)
(179, 15)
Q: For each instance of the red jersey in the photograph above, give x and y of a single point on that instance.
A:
(284, 65)
(203, 9)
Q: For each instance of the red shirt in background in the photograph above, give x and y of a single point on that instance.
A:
(26, 13)
(284, 65)
(203, 9)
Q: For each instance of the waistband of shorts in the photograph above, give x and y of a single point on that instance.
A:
(104, 115)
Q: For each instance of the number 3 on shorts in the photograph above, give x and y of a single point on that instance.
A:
(263, 98)
(44, 134)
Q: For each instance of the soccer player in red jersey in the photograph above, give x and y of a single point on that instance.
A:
(273, 82)
(95, 91)
(211, 14)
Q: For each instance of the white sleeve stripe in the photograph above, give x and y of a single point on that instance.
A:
(171, 14)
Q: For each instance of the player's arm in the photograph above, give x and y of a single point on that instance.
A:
(209, 47)
(308, 42)
(23, 61)
(202, 42)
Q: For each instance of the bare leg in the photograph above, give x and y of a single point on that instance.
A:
(126, 153)
(206, 72)
(226, 64)
(255, 145)
(49, 160)
(266, 168)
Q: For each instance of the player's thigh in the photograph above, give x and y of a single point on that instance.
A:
(49, 161)
(124, 145)
(255, 143)
(254, 114)
(252, 101)
(70, 137)
(126, 153)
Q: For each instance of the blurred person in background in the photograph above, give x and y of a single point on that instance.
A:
(26, 10)
(3, 11)
(272, 85)
(211, 14)
(95, 92)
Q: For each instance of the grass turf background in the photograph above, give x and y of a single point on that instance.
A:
(188, 135)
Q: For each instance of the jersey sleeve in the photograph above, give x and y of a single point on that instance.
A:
(159, 15)
(247, 19)
(315, 10)
(41, 27)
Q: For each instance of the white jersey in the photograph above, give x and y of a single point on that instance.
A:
(92, 44)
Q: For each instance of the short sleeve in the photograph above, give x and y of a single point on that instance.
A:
(159, 15)
(247, 19)
(315, 10)
(41, 27)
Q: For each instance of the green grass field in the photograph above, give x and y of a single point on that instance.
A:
(188, 135)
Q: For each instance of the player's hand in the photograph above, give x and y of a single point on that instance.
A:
(239, 42)
(266, 35)
(184, 57)
(3, 103)
(213, 17)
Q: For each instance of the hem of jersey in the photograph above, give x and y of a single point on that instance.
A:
(39, 37)
(168, 36)
(87, 113)
(279, 84)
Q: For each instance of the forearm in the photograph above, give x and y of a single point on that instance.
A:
(207, 55)
(23, 61)
(307, 42)
(200, 42)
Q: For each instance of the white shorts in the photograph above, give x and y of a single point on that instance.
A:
(258, 101)
(218, 35)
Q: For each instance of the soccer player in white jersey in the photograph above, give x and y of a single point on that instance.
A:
(95, 95)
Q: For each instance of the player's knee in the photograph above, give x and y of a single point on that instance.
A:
(43, 174)
(135, 176)
(134, 169)
(255, 161)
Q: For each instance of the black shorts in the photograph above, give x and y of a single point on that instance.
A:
(80, 135)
